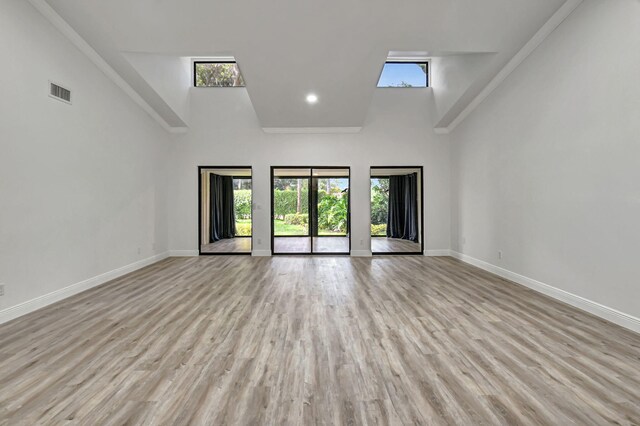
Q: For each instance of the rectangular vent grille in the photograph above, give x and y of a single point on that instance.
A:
(58, 92)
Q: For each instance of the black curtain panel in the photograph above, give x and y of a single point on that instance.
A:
(402, 216)
(223, 219)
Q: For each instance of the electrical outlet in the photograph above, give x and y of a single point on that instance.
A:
(361, 243)
(464, 241)
(1, 289)
(139, 250)
(259, 241)
(500, 254)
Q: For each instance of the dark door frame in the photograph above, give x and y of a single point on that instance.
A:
(311, 200)
(200, 169)
(373, 175)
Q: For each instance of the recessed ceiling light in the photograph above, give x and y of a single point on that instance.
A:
(311, 98)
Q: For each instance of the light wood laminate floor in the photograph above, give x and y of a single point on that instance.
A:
(228, 245)
(303, 245)
(394, 245)
(302, 340)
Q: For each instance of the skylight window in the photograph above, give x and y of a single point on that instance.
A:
(217, 74)
(404, 74)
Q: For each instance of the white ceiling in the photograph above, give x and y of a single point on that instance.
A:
(289, 48)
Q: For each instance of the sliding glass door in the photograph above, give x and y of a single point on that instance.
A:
(224, 210)
(310, 210)
(396, 210)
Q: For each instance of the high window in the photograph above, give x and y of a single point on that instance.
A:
(217, 74)
(404, 74)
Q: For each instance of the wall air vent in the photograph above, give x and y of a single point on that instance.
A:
(60, 93)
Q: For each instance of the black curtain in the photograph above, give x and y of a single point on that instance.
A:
(223, 219)
(402, 216)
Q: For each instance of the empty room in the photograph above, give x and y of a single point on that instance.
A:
(305, 213)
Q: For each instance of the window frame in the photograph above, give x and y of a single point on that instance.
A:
(195, 75)
(427, 76)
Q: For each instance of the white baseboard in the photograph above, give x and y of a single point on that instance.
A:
(361, 253)
(261, 253)
(441, 252)
(41, 301)
(620, 318)
(183, 253)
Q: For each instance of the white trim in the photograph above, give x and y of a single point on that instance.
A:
(58, 22)
(361, 253)
(41, 301)
(556, 19)
(409, 59)
(183, 253)
(195, 59)
(620, 318)
(311, 130)
(261, 253)
(441, 252)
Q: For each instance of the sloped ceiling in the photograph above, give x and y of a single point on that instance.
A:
(289, 48)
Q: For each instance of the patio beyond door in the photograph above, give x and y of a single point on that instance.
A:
(310, 211)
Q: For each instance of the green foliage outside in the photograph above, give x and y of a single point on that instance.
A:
(242, 210)
(296, 219)
(379, 206)
(286, 202)
(243, 228)
(242, 203)
(218, 75)
(379, 230)
(332, 213)
(282, 228)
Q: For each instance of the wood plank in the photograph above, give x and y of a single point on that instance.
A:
(303, 340)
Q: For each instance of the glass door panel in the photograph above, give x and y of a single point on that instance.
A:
(291, 202)
(330, 213)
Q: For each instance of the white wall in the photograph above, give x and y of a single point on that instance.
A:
(225, 131)
(82, 186)
(169, 76)
(547, 169)
(454, 81)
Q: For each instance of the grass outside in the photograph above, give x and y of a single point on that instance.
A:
(379, 230)
(243, 226)
(282, 228)
(325, 232)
